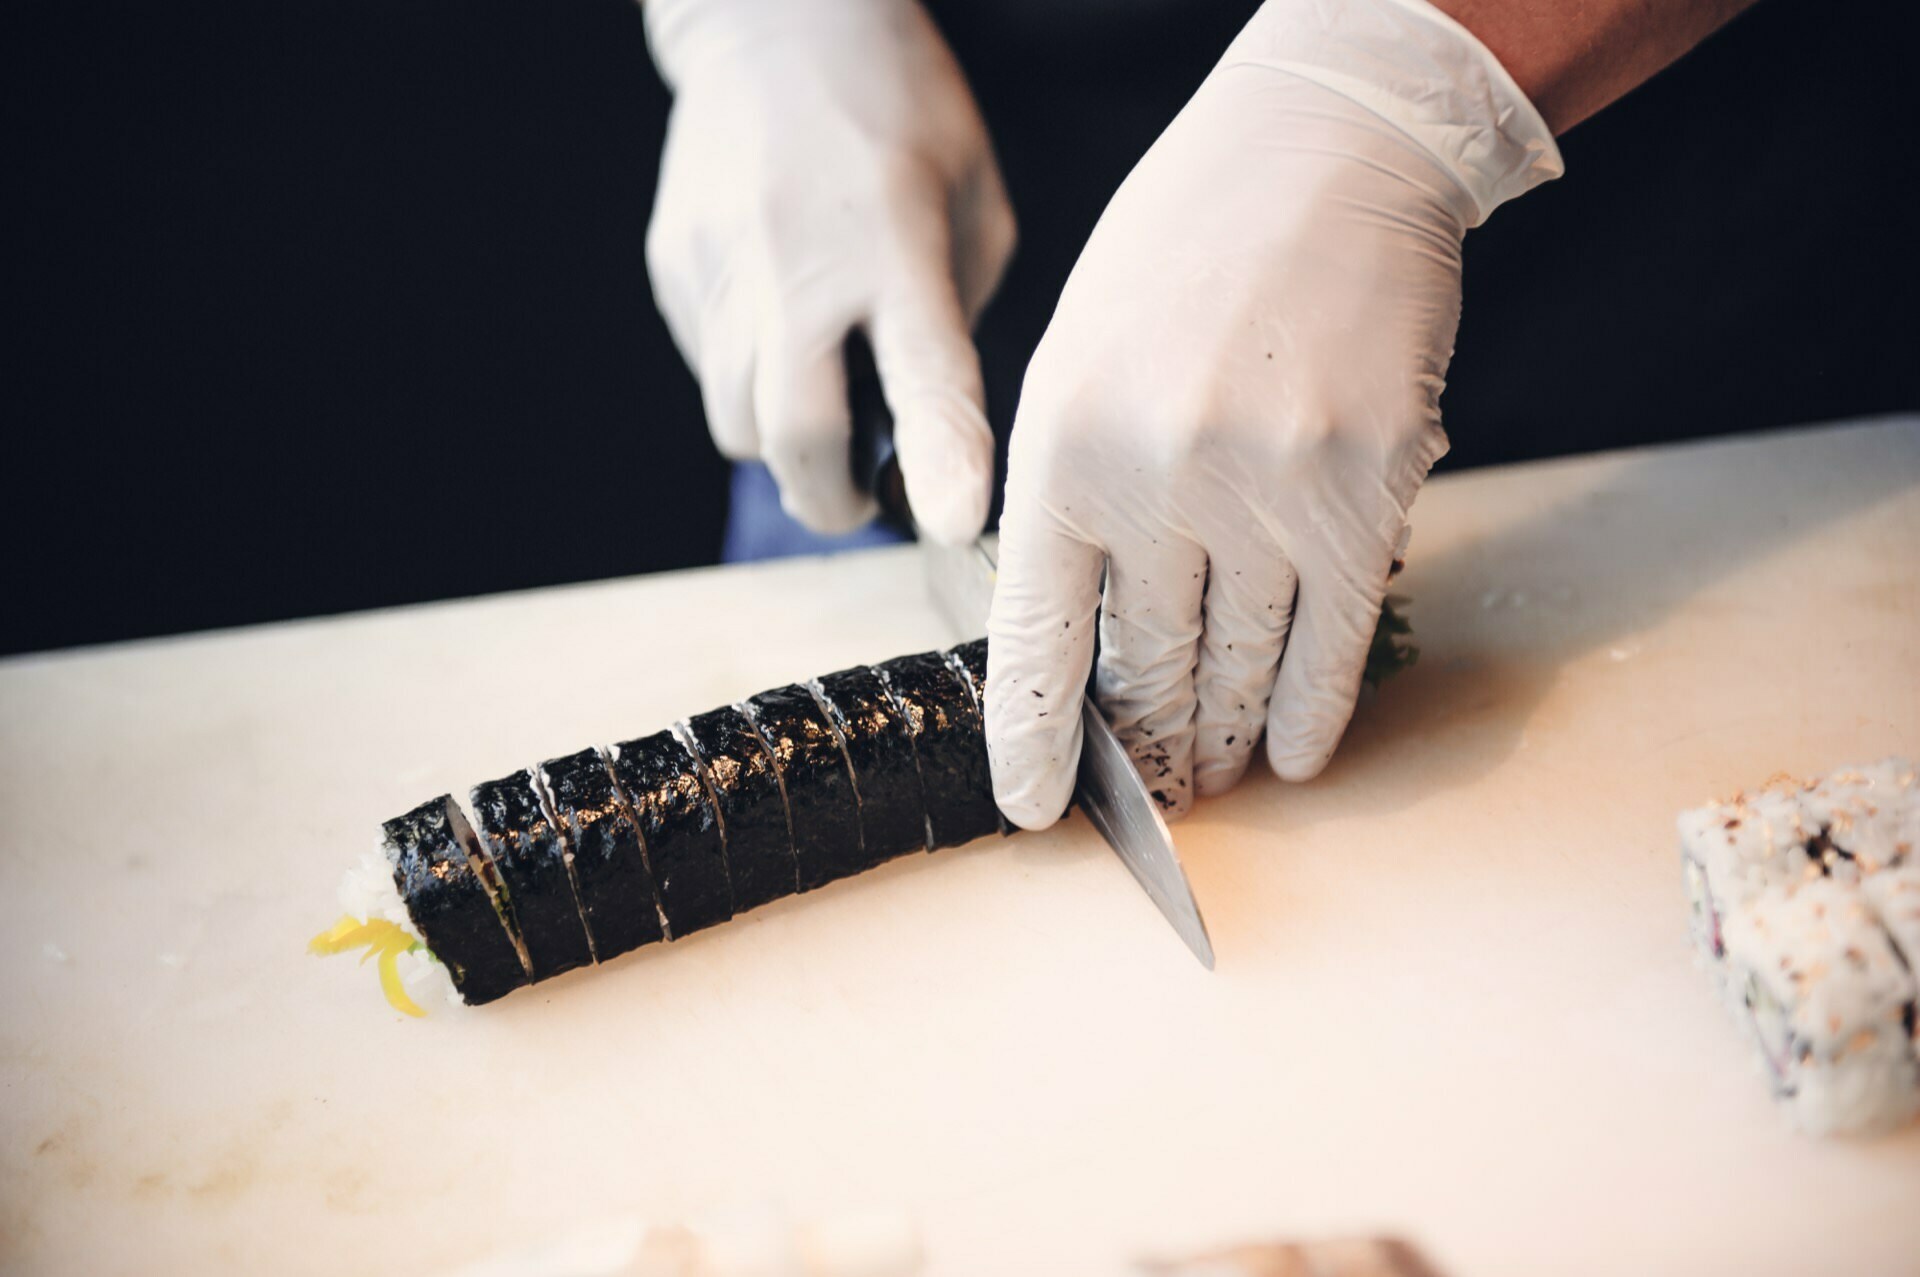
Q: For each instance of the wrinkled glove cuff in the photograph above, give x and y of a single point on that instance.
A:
(1418, 69)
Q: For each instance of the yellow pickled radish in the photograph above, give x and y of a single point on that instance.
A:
(391, 986)
(376, 937)
(336, 938)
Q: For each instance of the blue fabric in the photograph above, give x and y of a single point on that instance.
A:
(757, 528)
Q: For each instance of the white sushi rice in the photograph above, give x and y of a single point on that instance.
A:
(1805, 907)
(367, 892)
(1826, 996)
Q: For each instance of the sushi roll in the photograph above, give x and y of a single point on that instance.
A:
(949, 744)
(753, 811)
(586, 857)
(817, 781)
(1804, 903)
(1830, 1005)
(437, 864)
(535, 865)
(879, 746)
(680, 827)
(609, 862)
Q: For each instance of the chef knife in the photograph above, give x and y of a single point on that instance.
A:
(1109, 788)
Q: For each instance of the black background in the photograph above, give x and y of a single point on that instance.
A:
(330, 306)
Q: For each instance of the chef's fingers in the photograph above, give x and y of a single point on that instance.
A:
(675, 284)
(1040, 646)
(1249, 605)
(671, 296)
(1337, 608)
(725, 369)
(1149, 632)
(800, 404)
(931, 375)
(984, 235)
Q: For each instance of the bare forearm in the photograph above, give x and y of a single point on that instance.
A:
(1573, 57)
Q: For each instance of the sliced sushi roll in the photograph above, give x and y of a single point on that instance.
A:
(969, 664)
(817, 781)
(886, 777)
(586, 857)
(1830, 1004)
(609, 863)
(437, 863)
(531, 855)
(753, 811)
(680, 828)
(949, 745)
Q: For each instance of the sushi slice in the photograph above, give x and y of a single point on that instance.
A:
(969, 664)
(609, 863)
(436, 859)
(886, 777)
(949, 745)
(680, 828)
(753, 811)
(817, 781)
(532, 857)
(1830, 1004)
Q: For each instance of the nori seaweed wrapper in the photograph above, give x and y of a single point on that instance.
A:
(819, 787)
(432, 849)
(949, 740)
(609, 863)
(681, 830)
(886, 777)
(753, 811)
(969, 662)
(530, 853)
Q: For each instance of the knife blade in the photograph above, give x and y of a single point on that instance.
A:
(1108, 787)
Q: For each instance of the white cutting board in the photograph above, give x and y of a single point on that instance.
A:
(1454, 999)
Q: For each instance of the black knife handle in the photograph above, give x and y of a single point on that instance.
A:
(876, 467)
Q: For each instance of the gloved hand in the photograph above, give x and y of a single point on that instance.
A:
(826, 169)
(1238, 398)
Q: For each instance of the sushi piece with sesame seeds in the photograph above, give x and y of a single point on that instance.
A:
(949, 744)
(753, 812)
(531, 853)
(438, 870)
(886, 777)
(816, 781)
(1804, 906)
(680, 828)
(609, 861)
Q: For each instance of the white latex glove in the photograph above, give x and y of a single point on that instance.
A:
(825, 170)
(1238, 397)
